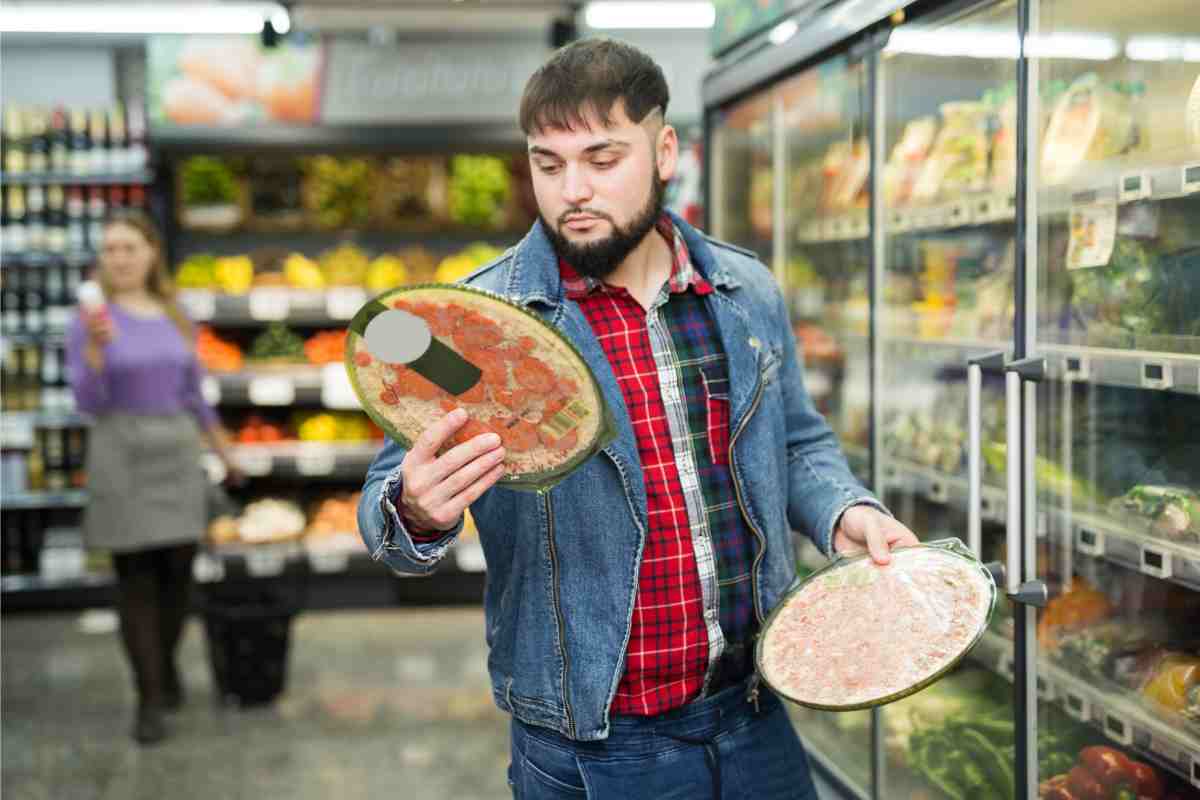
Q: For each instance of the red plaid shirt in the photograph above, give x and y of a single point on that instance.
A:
(667, 658)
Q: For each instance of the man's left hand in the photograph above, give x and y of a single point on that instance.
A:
(865, 526)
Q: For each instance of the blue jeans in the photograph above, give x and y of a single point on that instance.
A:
(719, 748)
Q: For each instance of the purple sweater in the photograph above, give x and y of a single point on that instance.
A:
(148, 369)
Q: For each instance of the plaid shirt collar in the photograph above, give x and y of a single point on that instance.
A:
(684, 275)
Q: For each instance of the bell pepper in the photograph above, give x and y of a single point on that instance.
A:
(1085, 785)
(1147, 782)
(1111, 767)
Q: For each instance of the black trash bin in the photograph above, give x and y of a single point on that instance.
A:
(248, 633)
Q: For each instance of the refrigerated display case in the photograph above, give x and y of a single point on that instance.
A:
(985, 218)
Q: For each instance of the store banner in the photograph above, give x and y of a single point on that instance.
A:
(409, 82)
(232, 81)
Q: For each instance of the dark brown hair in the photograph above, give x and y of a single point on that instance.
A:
(591, 75)
(159, 281)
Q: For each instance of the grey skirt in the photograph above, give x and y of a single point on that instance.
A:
(146, 483)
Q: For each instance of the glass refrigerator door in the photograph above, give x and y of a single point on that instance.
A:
(823, 268)
(743, 175)
(947, 265)
(1115, 312)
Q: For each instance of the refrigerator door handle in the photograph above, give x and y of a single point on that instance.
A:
(1022, 485)
(975, 368)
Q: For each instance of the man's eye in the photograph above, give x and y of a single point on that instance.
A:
(605, 164)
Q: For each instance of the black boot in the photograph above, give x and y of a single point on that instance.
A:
(149, 727)
(172, 688)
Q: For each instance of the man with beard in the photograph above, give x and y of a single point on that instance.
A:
(622, 606)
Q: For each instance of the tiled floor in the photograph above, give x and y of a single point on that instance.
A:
(379, 704)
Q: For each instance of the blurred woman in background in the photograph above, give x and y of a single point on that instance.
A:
(133, 367)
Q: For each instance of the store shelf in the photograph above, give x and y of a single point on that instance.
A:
(1171, 176)
(335, 460)
(74, 498)
(216, 564)
(47, 419)
(429, 138)
(940, 488)
(1144, 369)
(971, 211)
(280, 387)
(334, 306)
(850, 227)
(138, 178)
(41, 258)
(1122, 719)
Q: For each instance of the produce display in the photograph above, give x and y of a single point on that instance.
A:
(326, 347)
(855, 634)
(337, 191)
(1106, 773)
(301, 272)
(479, 190)
(256, 430)
(1168, 512)
(277, 344)
(332, 518)
(345, 265)
(216, 353)
(533, 388)
(270, 520)
(460, 265)
(334, 426)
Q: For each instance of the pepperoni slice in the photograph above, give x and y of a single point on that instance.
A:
(534, 375)
(476, 394)
(515, 401)
(362, 358)
(388, 396)
(527, 343)
(561, 443)
(470, 429)
(519, 437)
(413, 384)
(477, 331)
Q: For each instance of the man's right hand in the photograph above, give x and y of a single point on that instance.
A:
(100, 328)
(437, 489)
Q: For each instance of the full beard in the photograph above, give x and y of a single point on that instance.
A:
(601, 258)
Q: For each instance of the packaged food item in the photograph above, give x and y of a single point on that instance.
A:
(1079, 606)
(907, 160)
(1192, 114)
(1004, 140)
(270, 520)
(1091, 121)
(513, 373)
(846, 167)
(1173, 511)
(958, 162)
(855, 634)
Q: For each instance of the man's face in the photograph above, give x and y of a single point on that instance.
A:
(599, 189)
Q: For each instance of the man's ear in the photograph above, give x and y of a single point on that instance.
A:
(666, 152)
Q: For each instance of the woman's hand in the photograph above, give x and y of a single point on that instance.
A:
(866, 527)
(100, 327)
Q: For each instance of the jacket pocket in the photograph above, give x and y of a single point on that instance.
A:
(716, 402)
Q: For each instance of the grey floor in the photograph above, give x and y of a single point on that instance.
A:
(379, 704)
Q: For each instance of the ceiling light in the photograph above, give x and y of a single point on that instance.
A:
(113, 18)
(631, 15)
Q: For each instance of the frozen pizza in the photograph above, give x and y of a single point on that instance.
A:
(513, 373)
(857, 634)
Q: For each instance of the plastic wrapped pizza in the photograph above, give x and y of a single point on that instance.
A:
(418, 352)
(856, 634)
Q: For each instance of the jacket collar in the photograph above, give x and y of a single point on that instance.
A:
(533, 275)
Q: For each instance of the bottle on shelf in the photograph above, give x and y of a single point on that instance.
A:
(15, 155)
(17, 241)
(118, 143)
(97, 133)
(35, 218)
(11, 321)
(30, 378)
(76, 220)
(56, 219)
(137, 198)
(60, 142)
(116, 199)
(55, 460)
(77, 457)
(51, 369)
(80, 143)
(38, 144)
(137, 155)
(97, 210)
(34, 301)
(10, 365)
(4, 222)
(37, 464)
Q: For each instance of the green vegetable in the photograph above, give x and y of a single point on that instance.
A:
(479, 189)
(208, 181)
(277, 342)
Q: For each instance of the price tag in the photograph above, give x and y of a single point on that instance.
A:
(344, 303)
(336, 390)
(1045, 689)
(269, 305)
(959, 214)
(264, 562)
(254, 461)
(938, 493)
(16, 431)
(206, 569)
(1195, 772)
(272, 391)
(1042, 523)
(985, 209)
(1155, 562)
(839, 227)
(1089, 542)
(1075, 368)
(201, 305)
(315, 459)
(210, 388)
(860, 227)
(1134, 186)
(1156, 375)
(1191, 178)
(327, 562)
(1166, 750)
(1118, 729)
(1078, 707)
(899, 221)
(468, 555)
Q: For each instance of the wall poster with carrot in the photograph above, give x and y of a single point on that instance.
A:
(232, 81)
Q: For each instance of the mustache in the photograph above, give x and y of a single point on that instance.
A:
(575, 212)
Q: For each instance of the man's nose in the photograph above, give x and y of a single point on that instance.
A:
(576, 190)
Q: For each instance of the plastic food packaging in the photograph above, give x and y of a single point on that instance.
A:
(958, 162)
(1091, 122)
(417, 353)
(855, 635)
(907, 159)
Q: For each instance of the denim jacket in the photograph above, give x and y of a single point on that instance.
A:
(562, 566)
